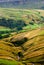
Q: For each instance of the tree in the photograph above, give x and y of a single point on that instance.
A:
(20, 24)
(32, 23)
(0, 36)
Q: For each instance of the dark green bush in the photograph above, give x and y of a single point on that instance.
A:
(19, 42)
(0, 36)
(31, 23)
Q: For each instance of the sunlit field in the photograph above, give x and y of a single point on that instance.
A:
(21, 36)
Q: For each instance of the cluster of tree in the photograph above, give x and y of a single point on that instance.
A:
(5, 36)
(12, 23)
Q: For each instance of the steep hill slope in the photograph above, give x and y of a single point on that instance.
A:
(26, 48)
(12, 18)
(18, 20)
(21, 37)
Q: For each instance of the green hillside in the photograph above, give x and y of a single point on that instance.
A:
(20, 20)
(21, 36)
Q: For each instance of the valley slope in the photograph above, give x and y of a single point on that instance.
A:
(21, 36)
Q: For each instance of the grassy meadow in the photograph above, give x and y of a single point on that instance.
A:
(21, 36)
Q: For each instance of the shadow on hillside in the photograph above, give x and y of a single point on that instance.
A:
(2, 64)
(19, 42)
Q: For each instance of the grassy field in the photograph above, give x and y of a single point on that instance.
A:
(21, 36)
(30, 20)
(18, 13)
(31, 49)
(9, 62)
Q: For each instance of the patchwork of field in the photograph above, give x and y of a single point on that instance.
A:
(21, 37)
(27, 48)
